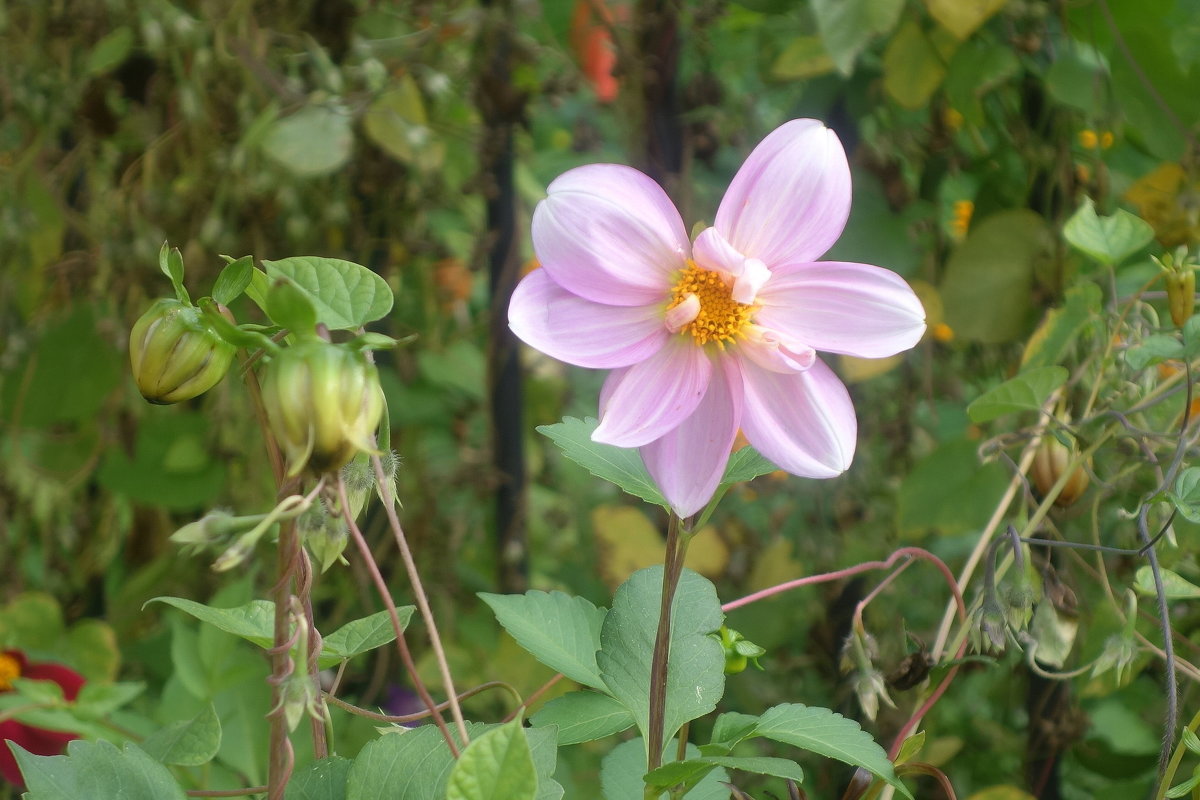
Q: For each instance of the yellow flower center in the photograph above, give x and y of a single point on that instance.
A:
(721, 318)
(10, 670)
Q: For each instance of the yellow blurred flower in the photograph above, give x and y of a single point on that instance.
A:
(963, 209)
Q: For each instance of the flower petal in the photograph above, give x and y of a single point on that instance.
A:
(641, 403)
(803, 422)
(840, 307)
(610, 234)
(565, 326)
(687, 463)
(790, 200)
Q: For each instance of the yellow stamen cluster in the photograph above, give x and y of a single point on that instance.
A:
(10, 670)
(721, 318)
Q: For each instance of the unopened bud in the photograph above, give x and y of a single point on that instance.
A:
(1181, 295)
(1049, 463)
(740, 652)
(175, 353)
(323, 404)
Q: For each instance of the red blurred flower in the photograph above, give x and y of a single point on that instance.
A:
(38, 741)
(591, 39)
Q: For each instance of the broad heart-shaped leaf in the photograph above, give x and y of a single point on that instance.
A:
(255, 622)
(496, 766)
(1025, 392)
(96, 770)
(561, 631)
(1186, 495)
(290, 307)
(320, 780)
(583, 717)
(1109, 240)
(415, 764)
(622, 769)
(188, 743)
(1175, 586)
(346, 295)
(825, 733)
(619, 465)
(696, 669)
(693, 769)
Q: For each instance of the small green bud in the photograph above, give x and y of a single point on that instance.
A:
(175, 353)
(740, 652)
(323, 404)
(1181, 295)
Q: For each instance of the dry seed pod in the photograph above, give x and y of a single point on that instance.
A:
(1049, 463)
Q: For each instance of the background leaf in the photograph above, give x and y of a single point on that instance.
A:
(187, 743)
(1025, 392)
(96, 770)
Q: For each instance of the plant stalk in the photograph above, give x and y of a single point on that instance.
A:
(678, 537)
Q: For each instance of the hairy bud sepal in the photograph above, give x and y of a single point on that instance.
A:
(176, 354)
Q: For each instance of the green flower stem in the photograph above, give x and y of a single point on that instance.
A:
(386, 595)
(389, 505)
(678, 537)
(1176, 758)
(420, 715)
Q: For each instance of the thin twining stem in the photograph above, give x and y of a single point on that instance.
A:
(386, 595)
(420, 715)
(414, 578)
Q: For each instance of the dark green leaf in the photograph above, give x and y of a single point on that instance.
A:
(188, 743)
(1153, 350)
(583, 717)
(619, 465)
(561, 631)
(321, 780)
(97, 770)
(1026, 392)
(361, 635)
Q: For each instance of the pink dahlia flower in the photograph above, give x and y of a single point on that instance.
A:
(710, 336)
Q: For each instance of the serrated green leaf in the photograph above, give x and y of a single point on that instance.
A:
(561, 631)
(496, 766)
(96, 770)
(619, 465)
(361, 635)
(1025, 392)
(321, 780)
(233, 280)
(692, 770)
(622, 769)
(583, 717)
(187, 743)
(744, 465)
(825, 733)
(345, 295)
(696, 670)
(1153, 350)
(1175, 586)
(1108, 240)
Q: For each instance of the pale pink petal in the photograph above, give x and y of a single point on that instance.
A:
(840, 307)
(790, 200)
(610, 234)
(641, 403)
(775, 352)
(683, 314)
(687, 463)
(564, 326)
(710, 251)
(803, 422)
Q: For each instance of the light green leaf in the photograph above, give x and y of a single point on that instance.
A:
(360, 635)
(825, 733)
(321, 780)
(1051, 341)
(1175, 586)
(962, 17)
(1153, 350)
(622, 769)
(398, 124)
(583, 717)
(744, 465)
(696, 670)
(96, 770)
(496, 766)
(110, 51)
(690, 771)
(847, 26)
(1186, 495)
(290, 307)
(803, 57)
(346, 295)
(914, 64)
(1054, 633)
(188, 743)
(1026, 392)
(314, 141)
(986, 289)
(561, 631)
(1109, 240)
(619, 465)
(99, 700)
(233, 280)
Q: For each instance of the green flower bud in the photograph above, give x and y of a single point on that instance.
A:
(740, 652)
(1181, 295)
(176, 354)
(323, 404)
